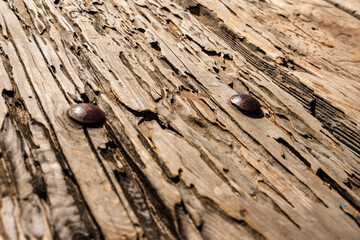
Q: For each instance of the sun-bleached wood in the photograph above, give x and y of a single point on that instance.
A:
(174, 159)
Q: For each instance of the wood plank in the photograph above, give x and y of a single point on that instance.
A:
(174, 159)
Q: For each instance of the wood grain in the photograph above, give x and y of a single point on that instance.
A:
(174, 159)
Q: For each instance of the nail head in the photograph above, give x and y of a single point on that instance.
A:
(87, 114)
(245, 103)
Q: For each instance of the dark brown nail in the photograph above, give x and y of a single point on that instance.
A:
(245, 103)
(87, 114)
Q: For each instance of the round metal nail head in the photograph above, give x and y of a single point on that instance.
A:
(245, 103)
(87, 114)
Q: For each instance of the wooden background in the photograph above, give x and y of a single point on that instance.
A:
(174, 159)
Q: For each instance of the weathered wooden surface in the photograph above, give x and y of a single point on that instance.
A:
(175, 160)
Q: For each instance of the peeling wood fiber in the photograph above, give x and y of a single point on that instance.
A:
(174, 159)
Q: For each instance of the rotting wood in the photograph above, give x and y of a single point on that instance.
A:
(174, 159)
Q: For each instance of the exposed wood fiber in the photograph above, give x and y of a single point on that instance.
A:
(174, 159)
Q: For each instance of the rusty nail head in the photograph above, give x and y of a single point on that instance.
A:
(87, 114)
(245, 103)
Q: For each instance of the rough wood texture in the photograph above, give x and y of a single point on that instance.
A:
(174, 159)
